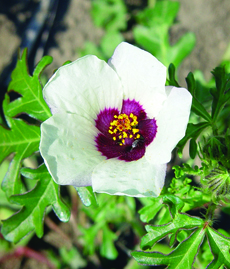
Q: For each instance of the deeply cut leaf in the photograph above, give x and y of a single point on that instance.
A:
(156, 233)
(180, 258)
(31, 101)
(220, 246)
(22, 140)
(34, 203)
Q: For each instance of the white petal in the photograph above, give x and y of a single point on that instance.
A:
(142, 75)
(84, 87)
(172, 122)
(68, 148)
(137, 178)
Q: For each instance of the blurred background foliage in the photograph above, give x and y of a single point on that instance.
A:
(104, 236)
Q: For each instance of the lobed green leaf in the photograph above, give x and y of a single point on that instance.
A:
(31, 101)
(34, 203)
(180, 258)
(220, 247)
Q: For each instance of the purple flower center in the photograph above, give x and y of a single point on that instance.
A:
(124, 135)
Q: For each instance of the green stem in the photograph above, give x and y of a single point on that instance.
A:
(210, 211)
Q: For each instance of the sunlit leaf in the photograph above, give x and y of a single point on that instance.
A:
(34, 204)
(180, 258)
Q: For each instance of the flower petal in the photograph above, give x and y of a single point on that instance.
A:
(111, 149)
(172, 122)
(104, 119)
(84, 87)
(131, 106)
(148, 129)
(68, 148)
(137, 178)
(142, 75)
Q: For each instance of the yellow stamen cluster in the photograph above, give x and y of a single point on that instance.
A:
(124, 126)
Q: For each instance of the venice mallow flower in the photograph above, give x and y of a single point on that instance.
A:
(114, 124)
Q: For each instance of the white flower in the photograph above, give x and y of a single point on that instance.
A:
(114, 125)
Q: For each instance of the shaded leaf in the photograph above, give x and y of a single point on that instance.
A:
(193, 131)
(107, 248)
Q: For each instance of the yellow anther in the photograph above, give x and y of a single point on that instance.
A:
(124, 126)
(135, 131)
(124, 135)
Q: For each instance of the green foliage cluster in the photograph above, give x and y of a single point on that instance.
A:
(102, 220)
(187, 233)
(149, 30)
(22, 140)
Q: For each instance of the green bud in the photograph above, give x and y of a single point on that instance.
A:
(218, 182)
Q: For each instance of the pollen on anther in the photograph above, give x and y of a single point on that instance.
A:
(135, 131)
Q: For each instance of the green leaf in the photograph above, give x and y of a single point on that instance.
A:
(172, 76)
(22, 140)
(221, 94)
(156, 233)
(32, 101)
(107, 248)
(193, 131)
(163, 12)
(180, 258)
(34, 203)
(110, 41)
(220, 246)
(175, 204)
(197, 107)
(149, 211)
(87, 195)
(152, 33)
(192, 148)
(181, 49)
(109, 14)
